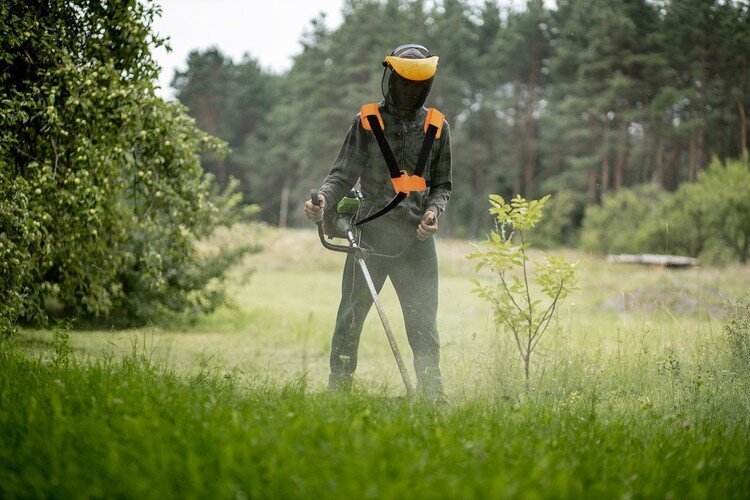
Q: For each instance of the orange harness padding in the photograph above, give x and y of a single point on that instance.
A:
(370, 110)
(435, 118)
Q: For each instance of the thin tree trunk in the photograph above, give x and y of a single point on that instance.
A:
(517, 175)
(672, 180)
(691, 158)
(658, 175)
(604, 177)
(699, 159)
(621, 154)
(646, 168)
(477, 202)
(592, 186)
(530, 135)
(743, 129)
(284, 205)
(526, 368)
(605, 174)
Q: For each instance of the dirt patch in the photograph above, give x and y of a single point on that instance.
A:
(679, 299)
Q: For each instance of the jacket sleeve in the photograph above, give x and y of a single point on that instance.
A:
(441, 175)
(348, 165)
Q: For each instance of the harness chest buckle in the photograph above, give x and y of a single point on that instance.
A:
(407, 183)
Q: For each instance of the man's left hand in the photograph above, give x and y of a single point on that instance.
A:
(428, 226)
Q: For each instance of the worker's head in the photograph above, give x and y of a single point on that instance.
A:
(412, 69)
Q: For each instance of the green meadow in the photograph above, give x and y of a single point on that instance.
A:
(633, 393)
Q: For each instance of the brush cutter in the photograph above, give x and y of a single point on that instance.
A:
(340, 224)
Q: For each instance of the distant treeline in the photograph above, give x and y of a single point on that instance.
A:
(585, 97)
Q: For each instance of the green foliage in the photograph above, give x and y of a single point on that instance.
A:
(685, 222)
(709, 218)
(737, 330)
(579, 95)
(726, 191)
(623, 222)
(524, 315)
(561, 222)
(232, 101)
(103, 194)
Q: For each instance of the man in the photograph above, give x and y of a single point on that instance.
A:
(409, 226)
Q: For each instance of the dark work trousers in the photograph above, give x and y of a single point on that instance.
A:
(414, 276)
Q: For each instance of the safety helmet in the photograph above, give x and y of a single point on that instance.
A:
(413, 62)
(412, 70)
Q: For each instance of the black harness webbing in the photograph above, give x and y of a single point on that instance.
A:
(395, 172)
(385, 148)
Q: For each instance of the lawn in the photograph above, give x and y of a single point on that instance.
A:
(633, 393)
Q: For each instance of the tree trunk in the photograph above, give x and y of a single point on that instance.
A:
(284, 205)
(477, 202)
(691, 160)
(646, 167)
(622, 147)
(526, 369)
(699, 159)
(671, 181)
(743, 129)
(517, 174)
(530, 132)
(604, 176)
(658, 175)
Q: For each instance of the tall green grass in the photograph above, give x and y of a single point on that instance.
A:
(129, 427)
(643, 401)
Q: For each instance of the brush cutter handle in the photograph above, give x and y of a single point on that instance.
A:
(336, 248)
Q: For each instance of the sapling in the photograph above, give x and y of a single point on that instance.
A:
(519, 308)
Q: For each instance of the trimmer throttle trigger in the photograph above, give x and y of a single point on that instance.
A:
(314, 197)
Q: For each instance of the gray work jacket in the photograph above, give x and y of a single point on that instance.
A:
(360, 158)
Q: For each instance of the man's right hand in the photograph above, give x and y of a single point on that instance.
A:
(315, 214)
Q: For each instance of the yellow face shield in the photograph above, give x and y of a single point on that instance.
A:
(413, 69)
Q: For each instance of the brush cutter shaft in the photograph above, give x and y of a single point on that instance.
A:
(386, 325)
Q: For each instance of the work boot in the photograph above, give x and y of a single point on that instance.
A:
(340, 383)
(430, 387)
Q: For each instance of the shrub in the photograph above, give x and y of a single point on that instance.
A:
(624, 222)
(725, 192)
(709, 218)
(562, 221)
(684, 225)
(103, 196)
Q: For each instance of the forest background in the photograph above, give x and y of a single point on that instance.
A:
(582, 99)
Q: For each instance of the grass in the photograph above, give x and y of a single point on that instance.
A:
(636, 403)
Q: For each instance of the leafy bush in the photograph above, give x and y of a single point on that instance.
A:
(709, 218)
(561, 222)
(624, 222)
(725, 192)
(684, 224)
(103, 194)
